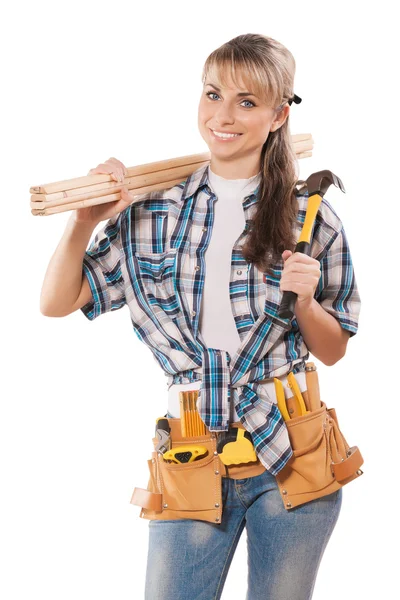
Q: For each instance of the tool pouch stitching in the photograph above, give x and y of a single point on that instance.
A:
(180, 489)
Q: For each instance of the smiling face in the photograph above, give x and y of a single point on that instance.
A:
(236, 110)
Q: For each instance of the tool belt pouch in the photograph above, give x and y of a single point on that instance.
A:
(182, 491)
(322, 460)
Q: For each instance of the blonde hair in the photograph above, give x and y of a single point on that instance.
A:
(268, 68)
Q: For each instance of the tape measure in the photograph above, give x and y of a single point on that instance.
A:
(235, 447)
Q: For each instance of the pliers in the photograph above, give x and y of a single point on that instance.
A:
(280, 395)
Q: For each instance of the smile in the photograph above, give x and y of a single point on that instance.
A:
(225, 136)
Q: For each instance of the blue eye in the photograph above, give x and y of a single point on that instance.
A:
(215, 94)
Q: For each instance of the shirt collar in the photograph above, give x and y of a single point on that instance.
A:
(156, 201)
(199, 179)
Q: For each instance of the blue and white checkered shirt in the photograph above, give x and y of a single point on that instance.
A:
(151, 257)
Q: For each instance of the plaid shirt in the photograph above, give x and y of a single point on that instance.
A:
(151, 257)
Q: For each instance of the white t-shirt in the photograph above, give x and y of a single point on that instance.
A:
(217, 325)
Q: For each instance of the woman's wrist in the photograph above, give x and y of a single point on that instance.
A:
(85, 226)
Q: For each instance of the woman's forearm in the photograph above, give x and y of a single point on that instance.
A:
(322, 333)
(63, 279)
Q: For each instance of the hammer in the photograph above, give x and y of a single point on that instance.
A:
(317, 184)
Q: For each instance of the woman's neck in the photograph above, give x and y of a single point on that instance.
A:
(233, 180)
(240, 169)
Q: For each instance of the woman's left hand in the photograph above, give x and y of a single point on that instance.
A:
(301, 275)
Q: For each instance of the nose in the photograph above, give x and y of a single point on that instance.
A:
(223, 116)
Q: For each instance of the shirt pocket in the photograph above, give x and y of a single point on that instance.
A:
(158, 276)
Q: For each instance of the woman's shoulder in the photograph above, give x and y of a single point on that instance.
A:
(169, 199)
(156, 202)
(327, 217)
(327, 225)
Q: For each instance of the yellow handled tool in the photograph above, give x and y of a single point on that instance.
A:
(281, 400)
(317, 184)
(294, 386)
(185, 454)
(280, 395)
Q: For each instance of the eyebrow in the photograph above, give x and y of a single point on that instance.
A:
(238, 95)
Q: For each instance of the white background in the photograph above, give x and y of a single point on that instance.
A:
(85, 81)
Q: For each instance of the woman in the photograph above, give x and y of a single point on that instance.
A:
(238, 220)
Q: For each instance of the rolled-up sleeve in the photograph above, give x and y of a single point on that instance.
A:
(337, 290)
(102, 268)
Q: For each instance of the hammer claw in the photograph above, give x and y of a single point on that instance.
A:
(319, 182)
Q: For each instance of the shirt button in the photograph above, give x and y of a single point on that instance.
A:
(204, 228)
(239, 272)
(193, 313)
(196, 268)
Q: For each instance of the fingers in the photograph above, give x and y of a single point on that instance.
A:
(117, 162)
(116, 173)
(300, 257)
(119, 166)
(112, 167)
(126, 196)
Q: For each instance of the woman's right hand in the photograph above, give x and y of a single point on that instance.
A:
(100, 212)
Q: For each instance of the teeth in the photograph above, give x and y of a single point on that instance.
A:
(225, 135)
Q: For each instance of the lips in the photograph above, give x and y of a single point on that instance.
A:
(229, 132)
(216, 137)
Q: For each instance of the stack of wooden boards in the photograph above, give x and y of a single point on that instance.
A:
(82, 192)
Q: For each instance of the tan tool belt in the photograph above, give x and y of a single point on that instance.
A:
(192, 490)
(322, 462)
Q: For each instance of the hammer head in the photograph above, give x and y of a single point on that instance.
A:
(319, 182)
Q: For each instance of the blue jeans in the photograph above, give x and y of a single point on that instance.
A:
(189, 559)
